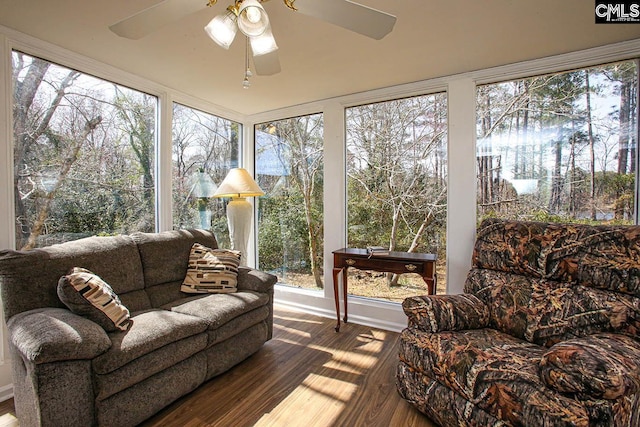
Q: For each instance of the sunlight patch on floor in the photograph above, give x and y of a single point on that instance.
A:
(292, 331)
(8, 420)
(309, 403)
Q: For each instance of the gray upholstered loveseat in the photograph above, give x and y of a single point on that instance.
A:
(68, 371)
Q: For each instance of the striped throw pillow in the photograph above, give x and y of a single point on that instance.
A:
(86, 294)
(211, 270)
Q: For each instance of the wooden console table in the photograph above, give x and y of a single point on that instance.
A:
(390, 262)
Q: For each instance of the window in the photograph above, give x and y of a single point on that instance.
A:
(560, 147)
(289, 168)
(205, 147)
(83, 155)
(396, 187)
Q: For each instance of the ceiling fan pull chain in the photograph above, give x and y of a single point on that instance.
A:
(246, 83)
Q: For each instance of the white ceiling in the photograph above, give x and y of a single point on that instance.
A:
(431, 38)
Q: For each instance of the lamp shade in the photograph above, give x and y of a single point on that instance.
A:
(252, 18)
(222, 29)
(238, 183)
(264, 43)
(202, 185)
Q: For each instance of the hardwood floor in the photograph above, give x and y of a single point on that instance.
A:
(307, 375)
(8, 414)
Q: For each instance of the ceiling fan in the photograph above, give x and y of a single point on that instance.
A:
(251, 19)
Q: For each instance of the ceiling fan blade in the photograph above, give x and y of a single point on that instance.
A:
(267, 64)
(149, 20)
(347, 14)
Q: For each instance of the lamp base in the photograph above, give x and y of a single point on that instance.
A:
(239, 212)
(204, 214)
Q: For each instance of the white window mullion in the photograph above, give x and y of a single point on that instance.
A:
(164, 141)
(461, 205)
(7, 225)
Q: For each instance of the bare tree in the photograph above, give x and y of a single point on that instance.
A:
(303, 139)
(395, 171)
(73, 176)
(592, 154)
(32, 115)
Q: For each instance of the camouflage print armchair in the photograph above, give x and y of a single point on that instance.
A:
(547, 332)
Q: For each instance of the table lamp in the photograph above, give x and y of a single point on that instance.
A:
(202, 188)
(238, 185)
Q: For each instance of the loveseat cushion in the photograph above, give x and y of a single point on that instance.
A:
(238, 325)
(49, 334)
(218, 309)
(87, 295)
(149, 331)
(30, 278)
(165, 255)
(441, 404)
(135, 404)
(145, 366)
(211, 270)
(434, 313)
(493, 370)
(601, 366)
(605, 256)
(546, 312)
(250, 279)
(513, 247)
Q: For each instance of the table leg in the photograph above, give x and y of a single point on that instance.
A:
(344, 292)
(336, 272)
(431, 284)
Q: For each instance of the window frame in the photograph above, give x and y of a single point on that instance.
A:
(520, 74)
(461, 138)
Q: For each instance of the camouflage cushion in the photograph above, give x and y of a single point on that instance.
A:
(546, 312)
(433, 313)
(606, 257)
(443, 405)
(495, 371)
(602, 366)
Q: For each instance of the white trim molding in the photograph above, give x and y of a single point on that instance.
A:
(6, 392)
(362, 311)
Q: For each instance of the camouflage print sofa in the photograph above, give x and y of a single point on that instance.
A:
(546, 333)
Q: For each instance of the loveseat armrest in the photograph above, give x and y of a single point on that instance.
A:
(436, 313)
(250, 279)
(49, 334)
(600, 366)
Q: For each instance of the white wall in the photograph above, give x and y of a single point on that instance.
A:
(461, 148)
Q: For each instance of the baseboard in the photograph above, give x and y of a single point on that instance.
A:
(315, 305)
(305, 308)
(6, 392)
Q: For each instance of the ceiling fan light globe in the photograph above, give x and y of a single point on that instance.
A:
(264, 43)
(222, 30)
(253, 14)
(252, 18)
